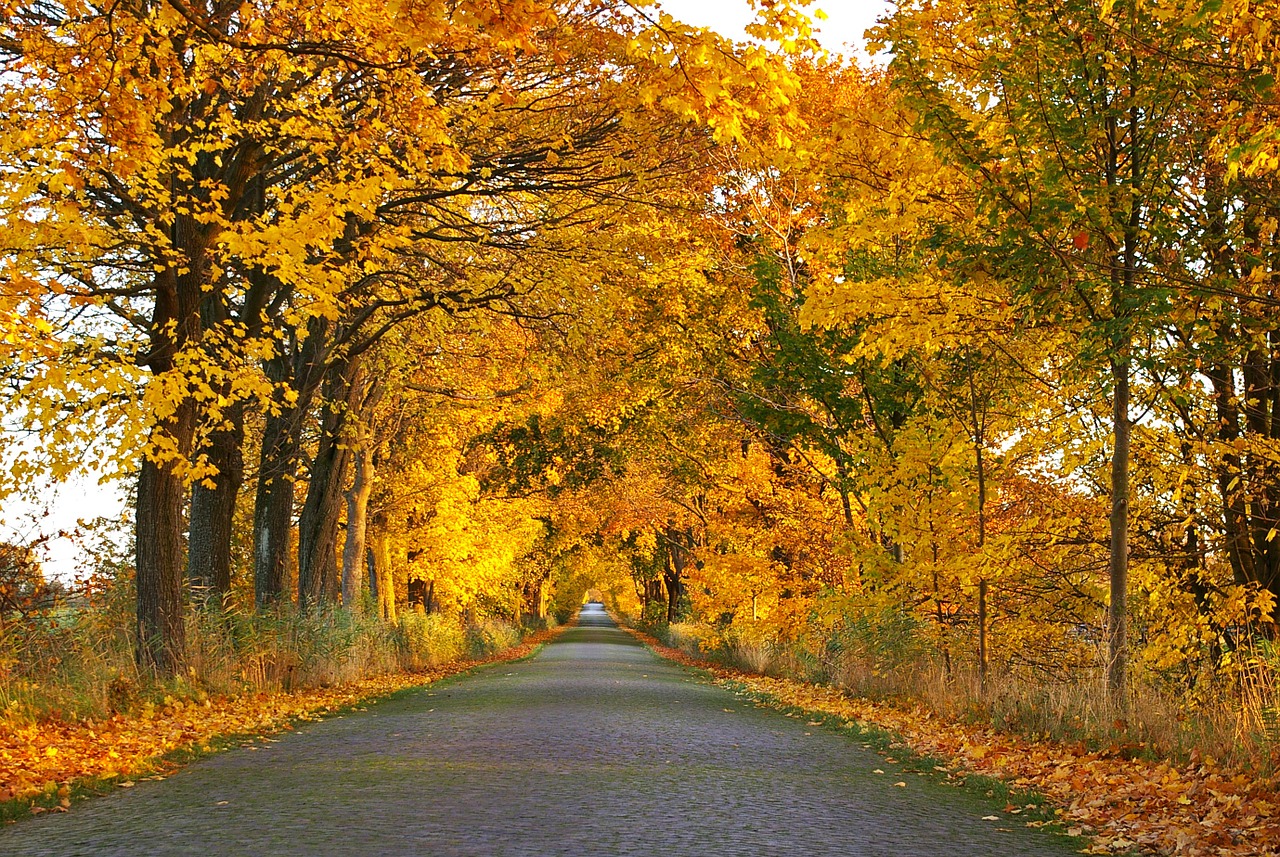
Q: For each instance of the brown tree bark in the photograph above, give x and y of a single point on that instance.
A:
(213, 511)
(978, 419)
(1117, 615)
(273, 508)
(679, 543)
(159, 551)
(354, 548)
(158, 554)
(380, 546)
(318, 523)
(278, 464)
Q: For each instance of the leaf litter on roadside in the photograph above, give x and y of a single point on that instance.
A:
(1192, 810)
(46, 757)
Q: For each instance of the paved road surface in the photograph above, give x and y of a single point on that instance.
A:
(594, 747)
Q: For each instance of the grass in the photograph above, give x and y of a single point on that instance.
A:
(1232, 719)
(79, 665)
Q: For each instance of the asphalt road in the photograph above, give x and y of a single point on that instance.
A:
(594, 747)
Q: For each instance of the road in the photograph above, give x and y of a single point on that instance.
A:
(593, 747)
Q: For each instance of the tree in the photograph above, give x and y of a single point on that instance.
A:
(1067, 115)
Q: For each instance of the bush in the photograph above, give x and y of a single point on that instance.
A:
(488, 636)
(429, 640)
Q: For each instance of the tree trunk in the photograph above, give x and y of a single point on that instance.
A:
(1231, 487)
(158, 553)
(273, 508)
(353, 550)
(158, 534)
(978, 416)
(278, 467)
(318, 524)
(318, 529)
(1124, 270)
(654, 592)
(1117, 618)
(380, 544)
(213, 511)
(673, 576)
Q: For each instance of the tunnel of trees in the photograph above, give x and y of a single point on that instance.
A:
(468, 308)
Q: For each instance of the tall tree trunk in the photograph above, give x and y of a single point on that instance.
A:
(1117, 617)
(380, 546)
(318, 523)
(303, 370)
(673, 576)
(158, 554)
(353, 550)
(158, 535)
(978, 417)
(1231, 484)
(273, 508)
(213, 510)
(1124, 272)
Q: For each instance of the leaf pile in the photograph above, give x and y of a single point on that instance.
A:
(1124, 805)
(46, 758)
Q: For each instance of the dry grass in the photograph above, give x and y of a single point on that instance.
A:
(79, 664)
(1232, 718)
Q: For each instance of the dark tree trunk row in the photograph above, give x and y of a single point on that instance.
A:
(303, 371)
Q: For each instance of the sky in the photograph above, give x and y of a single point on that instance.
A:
(846, 20)
(57, 509)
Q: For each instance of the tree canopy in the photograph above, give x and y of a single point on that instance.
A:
(472, 307)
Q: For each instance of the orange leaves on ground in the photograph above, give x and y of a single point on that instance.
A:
(42, 758)
(1122, 804)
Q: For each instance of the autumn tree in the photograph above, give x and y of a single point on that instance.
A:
(1068, 116)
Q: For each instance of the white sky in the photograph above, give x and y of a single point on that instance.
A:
(48, 510)
(846, 20)
(58, 509)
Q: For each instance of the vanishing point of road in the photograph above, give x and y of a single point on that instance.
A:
(594, 747)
